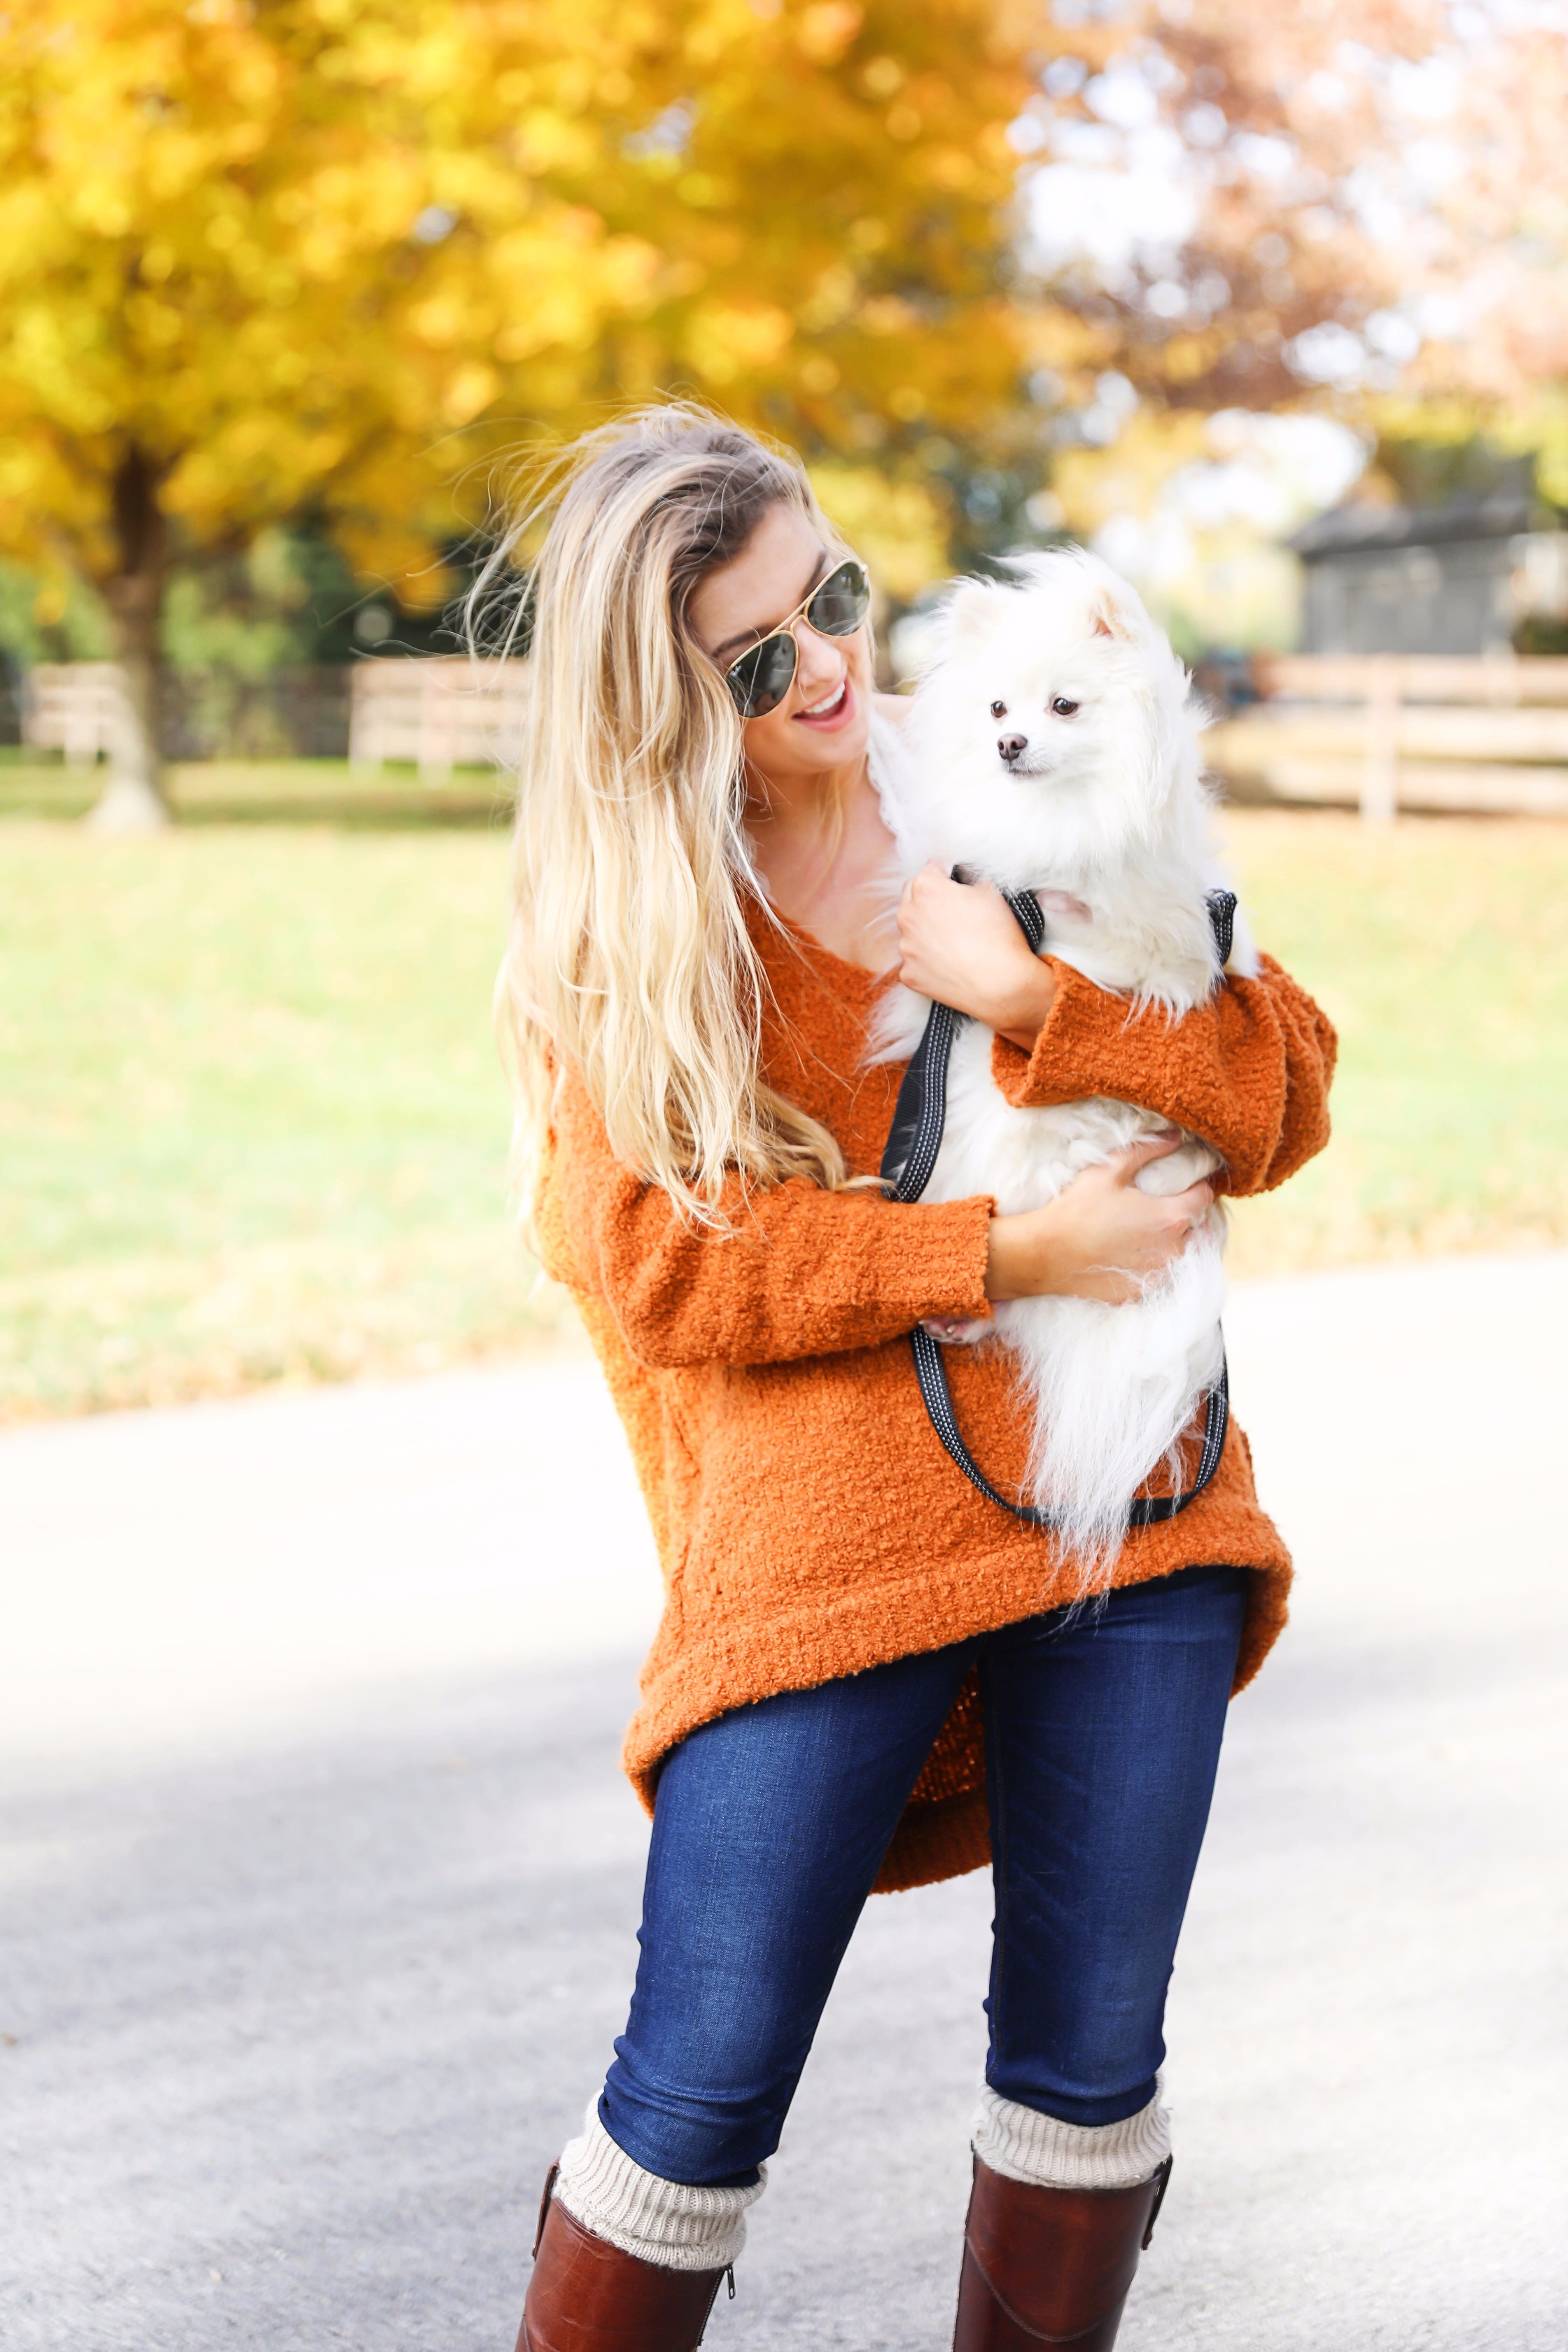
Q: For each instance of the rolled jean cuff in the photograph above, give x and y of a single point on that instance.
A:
(673, 2224)
(1024, 2145)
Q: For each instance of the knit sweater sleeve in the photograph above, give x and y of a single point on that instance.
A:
(801, 1272)
(1248, 1071)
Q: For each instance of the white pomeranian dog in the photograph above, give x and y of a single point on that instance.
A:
(1052, 746)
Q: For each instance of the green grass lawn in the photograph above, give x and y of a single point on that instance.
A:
(254, 1130)
(1439, 950)
(253, 1124)
(267, 791)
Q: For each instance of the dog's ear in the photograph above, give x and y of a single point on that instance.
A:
(1110, 615)
(968, 610)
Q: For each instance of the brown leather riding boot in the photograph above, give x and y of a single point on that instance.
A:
(585, 2295)
(1050, 2265)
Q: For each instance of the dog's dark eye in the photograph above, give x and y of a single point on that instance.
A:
(1062, 706)
(998, 710)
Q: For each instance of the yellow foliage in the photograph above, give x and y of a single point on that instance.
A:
(333, 253)
(1095, 485)
(1551, 465)
(899, 527)
(1529, 421)
(827, 29)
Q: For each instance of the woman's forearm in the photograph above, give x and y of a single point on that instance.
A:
(1248, 1070)
(800, 1271)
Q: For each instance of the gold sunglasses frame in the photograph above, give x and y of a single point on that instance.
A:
(785, 629)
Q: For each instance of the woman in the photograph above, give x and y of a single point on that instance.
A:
(865, 1675)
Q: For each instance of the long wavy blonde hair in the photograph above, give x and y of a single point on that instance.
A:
(628, 956)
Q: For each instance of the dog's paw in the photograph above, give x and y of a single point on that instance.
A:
(955, 1330)
(1175, 1171)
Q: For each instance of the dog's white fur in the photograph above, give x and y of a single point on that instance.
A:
(1104, 814)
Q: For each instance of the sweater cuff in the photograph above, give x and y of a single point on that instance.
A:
(1068, 1053)
(949, 1276)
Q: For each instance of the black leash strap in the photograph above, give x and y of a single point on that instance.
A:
(1144, 1510)
(1221, 922)
(920, 1115)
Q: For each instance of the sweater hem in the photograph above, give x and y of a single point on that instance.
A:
(731, 1675)
(944, 1832)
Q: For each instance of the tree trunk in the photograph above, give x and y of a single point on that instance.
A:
(133, 799)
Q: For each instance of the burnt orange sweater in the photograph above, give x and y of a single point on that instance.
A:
(808, 1521)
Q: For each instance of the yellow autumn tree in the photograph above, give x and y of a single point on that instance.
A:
(259, 257)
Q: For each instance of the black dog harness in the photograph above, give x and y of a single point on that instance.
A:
(920, 1115)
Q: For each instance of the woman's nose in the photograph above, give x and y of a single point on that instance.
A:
(819, 663)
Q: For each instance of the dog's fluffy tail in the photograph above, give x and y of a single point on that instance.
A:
(1114, 1388)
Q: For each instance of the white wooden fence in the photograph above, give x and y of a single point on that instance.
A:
(438, 714)
(1383, 732)
(77, 708)
(441, 714)
(1377, 732)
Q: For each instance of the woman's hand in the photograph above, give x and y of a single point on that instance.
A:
(959, 944)
(1100, 1238)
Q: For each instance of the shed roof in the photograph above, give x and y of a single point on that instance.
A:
(1355, 530)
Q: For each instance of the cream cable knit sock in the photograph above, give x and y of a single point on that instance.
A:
(663, 2221)
(1022, 2145)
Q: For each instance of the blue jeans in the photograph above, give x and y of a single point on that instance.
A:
(1103, 1739)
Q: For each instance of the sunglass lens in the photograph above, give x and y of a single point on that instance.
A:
(842, 602)
(760, 681)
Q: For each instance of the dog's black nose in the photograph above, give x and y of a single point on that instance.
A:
(1012, 747)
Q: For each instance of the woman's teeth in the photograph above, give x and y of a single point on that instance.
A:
(829, 703)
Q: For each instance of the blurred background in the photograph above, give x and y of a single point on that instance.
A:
(1269, 307)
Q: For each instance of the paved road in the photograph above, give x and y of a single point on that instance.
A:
(319, 1880)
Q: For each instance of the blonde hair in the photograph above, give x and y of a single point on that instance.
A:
(628, 956)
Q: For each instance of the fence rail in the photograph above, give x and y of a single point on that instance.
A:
(438, 714)
(1377, 732)
(79, 708)
(1387, 732)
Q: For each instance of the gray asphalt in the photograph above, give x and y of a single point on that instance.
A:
(297, 2005)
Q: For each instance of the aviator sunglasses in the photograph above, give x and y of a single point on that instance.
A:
(765, 673)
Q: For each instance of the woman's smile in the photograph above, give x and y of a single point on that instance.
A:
(831, 710)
